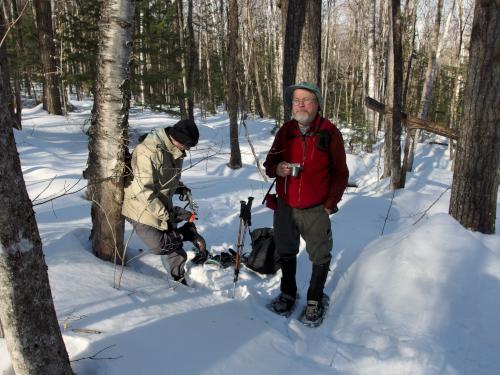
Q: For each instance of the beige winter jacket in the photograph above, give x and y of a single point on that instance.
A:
(156, 165)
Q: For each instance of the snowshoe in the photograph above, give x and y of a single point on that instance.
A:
(314, 313)
(282, 305)
(222, 260)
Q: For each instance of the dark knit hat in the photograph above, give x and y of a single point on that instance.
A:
(185, 132)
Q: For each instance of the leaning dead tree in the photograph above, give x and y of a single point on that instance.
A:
(412, 122)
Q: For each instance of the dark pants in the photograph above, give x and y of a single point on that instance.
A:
(156, 241)
(313, 224)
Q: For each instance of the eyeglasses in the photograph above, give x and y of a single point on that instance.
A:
(304, 101)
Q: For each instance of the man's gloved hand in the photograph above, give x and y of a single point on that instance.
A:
(183, 192)
(181, 214)
(189, 233)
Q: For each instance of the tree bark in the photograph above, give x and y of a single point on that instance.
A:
(430, 78)
(389, 98)
(372, 87)
(27, 312)
(10, 12)
(182, 46)
(232, 81)
(210, 101)
(51, 83)
(109, 129)
(476, 177)
(397, 92)
(302, 47)
(191, 62)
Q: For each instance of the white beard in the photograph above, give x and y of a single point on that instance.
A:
(303, 118)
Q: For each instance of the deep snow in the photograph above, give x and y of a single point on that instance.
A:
(420, 298)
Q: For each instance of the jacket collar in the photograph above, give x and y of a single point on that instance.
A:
(164, 141)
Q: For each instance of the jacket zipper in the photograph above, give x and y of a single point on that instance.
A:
(304, 149)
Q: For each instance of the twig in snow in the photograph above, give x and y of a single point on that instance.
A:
(388, 210)
(432, 204)
(95, 356)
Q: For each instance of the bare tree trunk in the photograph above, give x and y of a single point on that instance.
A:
(142, 61)
(7, 94)
(389, 98)
(258, 84)
(430, 78)
(476, 177)
(397, 89)
(302, 48)
(191, 62)
(232, 81)
(211, 103)
(51, 94)
(182, 46)
(11, 14)
(411, 15)
(263, 111)
(459, 80)
(27, 312)
(109, 130)
(372, 87)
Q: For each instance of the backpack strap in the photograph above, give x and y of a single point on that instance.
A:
(265, 195)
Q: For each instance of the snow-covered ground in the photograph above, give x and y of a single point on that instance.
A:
(412, 292)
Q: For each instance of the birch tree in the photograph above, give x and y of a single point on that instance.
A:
(30, 326)
(430, 79)
(372, 88)
(477, 165)
(109, 128)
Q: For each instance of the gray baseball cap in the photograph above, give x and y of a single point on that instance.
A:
(306, 86)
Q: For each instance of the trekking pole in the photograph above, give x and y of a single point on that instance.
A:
(245, 222)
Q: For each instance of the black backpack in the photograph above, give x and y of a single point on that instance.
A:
(264, 258)
(128, 173)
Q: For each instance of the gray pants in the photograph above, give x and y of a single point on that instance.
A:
(156, 242)
(313, 224)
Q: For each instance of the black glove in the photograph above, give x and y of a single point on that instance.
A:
(180, 214)
(183, 192)
(171, 241)
(189, 233)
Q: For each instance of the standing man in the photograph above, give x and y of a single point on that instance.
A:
(156, 168)
(309, 162)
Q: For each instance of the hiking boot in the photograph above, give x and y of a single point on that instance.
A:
(314, 311)
(283, 304)
(180, 279)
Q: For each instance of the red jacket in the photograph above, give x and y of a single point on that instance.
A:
(320, 153)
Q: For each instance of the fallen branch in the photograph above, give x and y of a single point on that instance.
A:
(86, 330)
(413, 122)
